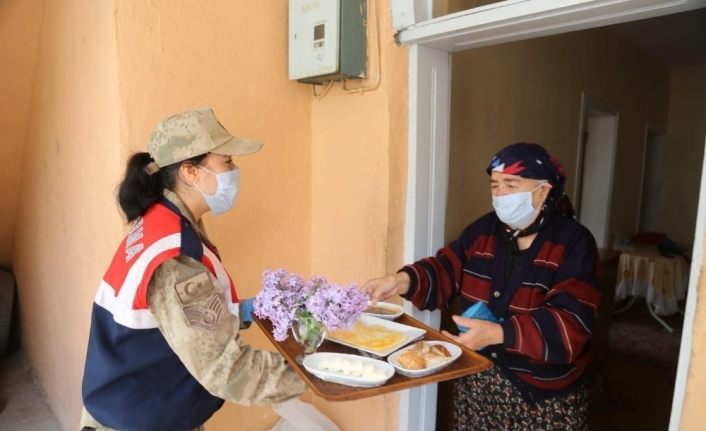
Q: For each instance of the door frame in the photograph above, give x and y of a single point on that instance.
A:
(427, 184)
(650, 128)
(430, 42)
(697, 257)
(589, 103)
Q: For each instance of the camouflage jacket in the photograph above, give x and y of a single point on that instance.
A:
(190, 312)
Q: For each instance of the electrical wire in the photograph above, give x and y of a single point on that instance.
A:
(326, 90)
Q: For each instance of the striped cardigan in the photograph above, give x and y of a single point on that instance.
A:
(549, 305)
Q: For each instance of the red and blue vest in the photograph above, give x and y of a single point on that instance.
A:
(132, 379)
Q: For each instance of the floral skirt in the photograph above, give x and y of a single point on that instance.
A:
(489, 401)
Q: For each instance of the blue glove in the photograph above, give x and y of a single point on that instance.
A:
(478, 311)
(246, 307)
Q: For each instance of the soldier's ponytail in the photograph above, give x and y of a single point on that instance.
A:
(139, 189)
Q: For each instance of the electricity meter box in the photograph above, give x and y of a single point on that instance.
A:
(327, 40)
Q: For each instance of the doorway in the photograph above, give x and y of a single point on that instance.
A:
(430, 43)
(598, 136)
(652, 178)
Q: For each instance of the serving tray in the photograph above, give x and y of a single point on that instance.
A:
(469, 362)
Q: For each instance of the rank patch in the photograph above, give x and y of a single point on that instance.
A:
(206, 314)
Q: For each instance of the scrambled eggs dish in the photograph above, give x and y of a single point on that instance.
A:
(370, 337)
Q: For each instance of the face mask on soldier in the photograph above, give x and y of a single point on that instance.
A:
(227, 192)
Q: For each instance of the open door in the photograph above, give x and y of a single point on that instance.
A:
(651, 179)
(596, 157)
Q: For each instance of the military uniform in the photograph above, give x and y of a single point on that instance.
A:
(164, 351)
(196, 315)
(215, 355)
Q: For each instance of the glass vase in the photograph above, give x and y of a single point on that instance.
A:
(308, 332)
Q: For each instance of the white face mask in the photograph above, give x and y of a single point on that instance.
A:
(226, 193)
(516, 210)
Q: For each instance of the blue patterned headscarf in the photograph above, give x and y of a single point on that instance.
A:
(533, 161)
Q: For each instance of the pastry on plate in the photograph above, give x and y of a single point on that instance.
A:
(423, 355)
(412, 360)
(440, 350)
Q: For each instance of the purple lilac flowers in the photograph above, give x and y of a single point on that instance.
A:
(284, 296)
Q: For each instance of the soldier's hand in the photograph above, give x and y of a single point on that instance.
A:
(246, 309)
(380, 289)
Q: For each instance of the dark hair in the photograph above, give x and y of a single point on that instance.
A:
(139, 190)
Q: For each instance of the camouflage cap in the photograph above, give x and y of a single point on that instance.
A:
(189, 134)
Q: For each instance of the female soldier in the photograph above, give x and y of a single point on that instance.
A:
(164, 350)
(536, 269)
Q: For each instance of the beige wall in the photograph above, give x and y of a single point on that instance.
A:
(171, 60)
(531, 91)
(315, 200)
(19, 36)
(684, 153)
(358, 171)
(67, 221)
(326, 194)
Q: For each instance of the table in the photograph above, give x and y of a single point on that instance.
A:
(661, 280)
(469, 362)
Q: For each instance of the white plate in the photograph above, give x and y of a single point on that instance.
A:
(452, 348)
(409, 334)
(313, 364)
(395, 309)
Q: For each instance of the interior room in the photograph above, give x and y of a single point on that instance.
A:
(623, 108)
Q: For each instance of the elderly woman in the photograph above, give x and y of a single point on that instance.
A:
(536, 270)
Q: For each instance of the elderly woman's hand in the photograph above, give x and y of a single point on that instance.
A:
(480, 333)
(379, 289)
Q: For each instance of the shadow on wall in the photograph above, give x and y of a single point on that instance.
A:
(9, 322)
(9, 317)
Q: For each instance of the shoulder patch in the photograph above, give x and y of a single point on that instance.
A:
(202, 303)
(193, 288)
